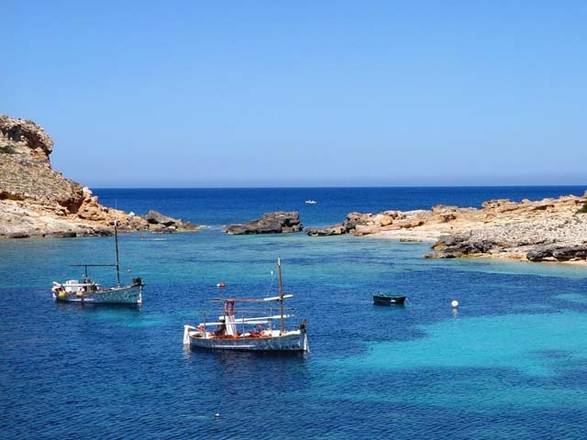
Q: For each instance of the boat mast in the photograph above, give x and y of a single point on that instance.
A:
(117, 256)
(281, 299)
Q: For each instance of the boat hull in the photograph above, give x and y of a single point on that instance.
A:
(388, 300)
(295, 340)
(115, 295)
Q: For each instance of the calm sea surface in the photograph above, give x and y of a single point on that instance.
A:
(510, 364)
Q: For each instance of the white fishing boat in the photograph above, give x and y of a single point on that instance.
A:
(88, 291)
(256, 333)
(311, 202)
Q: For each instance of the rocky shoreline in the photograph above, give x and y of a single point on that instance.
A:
(280, 222)
(546, 230)
(37, 201)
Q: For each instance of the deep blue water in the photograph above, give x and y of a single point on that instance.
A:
(222, 206)
(510, 364)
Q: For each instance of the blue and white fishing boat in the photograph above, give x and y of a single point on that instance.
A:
(249, 333)
(88, 291)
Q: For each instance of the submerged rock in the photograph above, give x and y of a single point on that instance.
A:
(270, 223)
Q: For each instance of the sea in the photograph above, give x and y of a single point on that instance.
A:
(509, 363)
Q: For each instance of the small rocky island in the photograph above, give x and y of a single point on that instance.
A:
(545, 230)
(279, 222)
(37, 201)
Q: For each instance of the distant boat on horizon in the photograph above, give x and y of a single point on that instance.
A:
(311, 202)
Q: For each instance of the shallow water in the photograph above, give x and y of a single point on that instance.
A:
(510, 363)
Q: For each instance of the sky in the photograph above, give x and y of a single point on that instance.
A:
(304, 93)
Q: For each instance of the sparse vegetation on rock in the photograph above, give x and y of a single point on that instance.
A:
(37, 201)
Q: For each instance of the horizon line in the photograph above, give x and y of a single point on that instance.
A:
(345, 186)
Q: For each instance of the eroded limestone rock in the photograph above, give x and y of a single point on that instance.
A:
(270, 223)
(37, 201)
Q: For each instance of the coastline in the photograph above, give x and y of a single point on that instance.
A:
(504, 256)
(551, 229)
(38, 201)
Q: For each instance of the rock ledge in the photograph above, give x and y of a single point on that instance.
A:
(279, 222)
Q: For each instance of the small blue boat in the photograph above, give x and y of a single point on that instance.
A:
(382, 299)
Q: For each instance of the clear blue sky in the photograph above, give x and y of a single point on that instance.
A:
(303, 93)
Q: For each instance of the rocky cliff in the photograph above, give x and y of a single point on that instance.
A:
(545, 230)
(36, 200)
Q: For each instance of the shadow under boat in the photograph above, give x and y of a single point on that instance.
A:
(239, 356)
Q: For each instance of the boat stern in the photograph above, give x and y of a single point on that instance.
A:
(186, 334)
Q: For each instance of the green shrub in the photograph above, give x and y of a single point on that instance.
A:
(583, 210)
(7, 149)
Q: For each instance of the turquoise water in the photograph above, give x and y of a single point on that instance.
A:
(510, 363)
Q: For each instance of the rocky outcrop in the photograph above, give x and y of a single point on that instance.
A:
(357, 223)
(544, 230)
(37, 201)
(25, 169)
(461, 245)
(337, 229)
(24, 137)
(558, 253)
(271, 223)
(162, 223)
